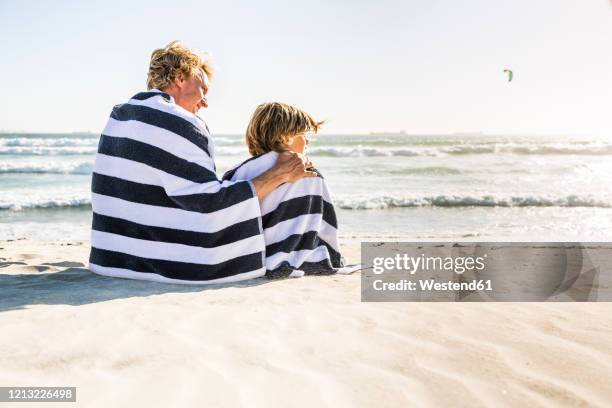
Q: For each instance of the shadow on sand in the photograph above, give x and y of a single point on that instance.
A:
(76, 285)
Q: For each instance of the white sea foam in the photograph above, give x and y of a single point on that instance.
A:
(369, 203)
(354, 147)
(362, 151)
(81, 167)
(48, 142)
(42, 202)
(384, 201)
(228, 141)
(465, 149)
(47, 150)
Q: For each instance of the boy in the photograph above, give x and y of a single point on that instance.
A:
(299, 221)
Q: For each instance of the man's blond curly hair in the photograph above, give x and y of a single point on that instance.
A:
(168, 62)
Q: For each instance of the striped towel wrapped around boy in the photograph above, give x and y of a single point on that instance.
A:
(299, 222)
(159, 211)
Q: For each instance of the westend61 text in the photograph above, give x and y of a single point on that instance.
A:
(430, 284)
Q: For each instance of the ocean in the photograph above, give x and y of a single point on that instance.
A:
(461, 187)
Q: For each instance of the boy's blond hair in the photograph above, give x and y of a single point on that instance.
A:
(174, 59)
(273, 124)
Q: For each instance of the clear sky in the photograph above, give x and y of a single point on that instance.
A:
(431, 66)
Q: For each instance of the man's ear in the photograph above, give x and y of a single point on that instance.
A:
(180, 80)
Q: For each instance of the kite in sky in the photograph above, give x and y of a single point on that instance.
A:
(510, 75)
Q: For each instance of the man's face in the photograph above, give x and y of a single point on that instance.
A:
(193, 92)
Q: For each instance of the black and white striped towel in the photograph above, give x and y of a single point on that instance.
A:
(159, 211)
(299, 223)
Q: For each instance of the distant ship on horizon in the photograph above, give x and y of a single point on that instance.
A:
(401, 132)
(472, 133)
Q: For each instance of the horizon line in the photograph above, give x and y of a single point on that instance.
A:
(373, 133)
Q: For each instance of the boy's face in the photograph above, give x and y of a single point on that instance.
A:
(298, 143)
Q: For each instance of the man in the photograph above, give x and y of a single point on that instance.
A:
(159, 211)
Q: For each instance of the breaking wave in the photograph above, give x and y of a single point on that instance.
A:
(63, 203)
(47, 168)
(505, 148)
(384, 202)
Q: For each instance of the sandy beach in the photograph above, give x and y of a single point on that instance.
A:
(296, 342)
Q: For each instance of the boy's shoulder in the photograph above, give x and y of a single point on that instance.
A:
(255, 164)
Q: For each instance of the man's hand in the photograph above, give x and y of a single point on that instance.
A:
(289, 168)
(294, 166)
